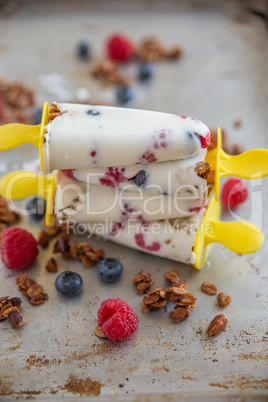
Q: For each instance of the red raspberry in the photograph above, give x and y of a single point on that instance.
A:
(117, 319)
(18, 248)
(205, 140)
(120, 48)
(234, 193)
(68, 173)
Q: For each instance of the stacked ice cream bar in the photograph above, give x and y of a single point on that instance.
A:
(127, 171)
(139, 178)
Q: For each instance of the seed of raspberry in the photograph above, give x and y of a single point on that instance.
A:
(18, 248)
(120, 48)
(234, 193)
(117, 319)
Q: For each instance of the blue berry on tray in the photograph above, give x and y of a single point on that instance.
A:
(124, 94)
(37, 116)
(83, 51)
(37, 207)
(146, 71)
(109, 269)
(140, 178)
(69, 283)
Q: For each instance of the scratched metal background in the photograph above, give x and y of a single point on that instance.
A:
(222, 76)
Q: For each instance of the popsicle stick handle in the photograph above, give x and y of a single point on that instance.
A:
(14, 134)
(252, 164)
(238, 236)
(22, 184)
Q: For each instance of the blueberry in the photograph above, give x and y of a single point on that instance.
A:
(37, 116)
(193, 135)
(92, 112)
(37, 207)
(69, 283)
(83, 51)
(124, 94)
(146, 71)
(140, 178)
(109, 269)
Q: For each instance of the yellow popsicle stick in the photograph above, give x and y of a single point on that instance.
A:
(22, 184)
(240, 237)
(14, 134)
(252, 164)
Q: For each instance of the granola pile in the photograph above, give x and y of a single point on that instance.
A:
(177, 293)
(16, 100)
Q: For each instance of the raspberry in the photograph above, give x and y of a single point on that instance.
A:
(117, 319)
(68, 173)
(18, 248)
(205, 140)
(120, 48)
(234, 193)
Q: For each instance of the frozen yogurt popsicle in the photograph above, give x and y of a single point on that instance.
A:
(185, 239)
(181, 177)
(87, 203)
(84, 136)
(173, 239)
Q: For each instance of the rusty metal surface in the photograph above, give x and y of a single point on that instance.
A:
(221, 77)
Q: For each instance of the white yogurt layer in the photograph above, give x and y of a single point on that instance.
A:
(87, 203)
(85, 136)
(170, 178)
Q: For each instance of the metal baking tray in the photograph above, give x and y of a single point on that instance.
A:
(221, 76)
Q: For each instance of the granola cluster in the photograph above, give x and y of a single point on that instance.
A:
(204, 170)
(144, 282)
(182, 299)
(32, 290)
(172, 276)
(54, 112)
(6, 215)
(15, 101)
(81, 251)
(107, 71)
(177, 293)
(152, 50)
(154, 300)
(10, 308)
